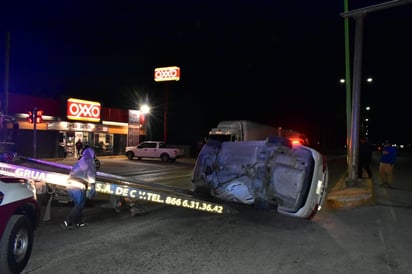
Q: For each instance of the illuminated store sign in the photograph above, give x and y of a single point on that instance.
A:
(167, 74)
(83, 110)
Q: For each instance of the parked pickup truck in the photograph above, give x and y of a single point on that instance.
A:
(154, 149)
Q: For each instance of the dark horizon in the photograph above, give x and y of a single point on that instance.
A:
(278, 64)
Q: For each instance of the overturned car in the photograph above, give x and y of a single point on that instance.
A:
(271, 173)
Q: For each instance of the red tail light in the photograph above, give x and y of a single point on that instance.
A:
(296, 142)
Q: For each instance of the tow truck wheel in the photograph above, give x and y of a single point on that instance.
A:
(16, 244)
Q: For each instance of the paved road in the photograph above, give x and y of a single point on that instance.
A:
(163, 239)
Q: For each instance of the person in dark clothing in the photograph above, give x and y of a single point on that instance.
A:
(365, 158)
(79, 147)
(81, 185)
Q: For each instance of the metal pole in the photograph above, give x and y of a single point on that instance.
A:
(348, 83)
(138, 131)
(34, 132)
(165, 115)
(5, 105)
(358, 15)
(357, 73)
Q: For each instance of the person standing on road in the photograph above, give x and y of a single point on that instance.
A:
(81, 185)
(386, 165)
(365, 158)
(79, 147)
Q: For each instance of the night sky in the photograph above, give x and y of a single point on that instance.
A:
(277, 62)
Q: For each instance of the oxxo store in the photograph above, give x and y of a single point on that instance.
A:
(103, 129)
(83, 124)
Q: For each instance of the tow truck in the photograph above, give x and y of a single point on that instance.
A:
(43, 173)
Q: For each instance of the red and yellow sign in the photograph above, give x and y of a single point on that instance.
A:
(83, 110)
(167, 74)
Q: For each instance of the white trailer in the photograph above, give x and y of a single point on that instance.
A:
(241, 130)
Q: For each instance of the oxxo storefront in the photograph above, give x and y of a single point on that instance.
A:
(64, 122)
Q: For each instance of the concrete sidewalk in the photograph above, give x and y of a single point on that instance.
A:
(348, 195)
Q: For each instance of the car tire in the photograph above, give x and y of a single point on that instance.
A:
(98, 163)
(165, 157)
(16, 244)
(130, 155)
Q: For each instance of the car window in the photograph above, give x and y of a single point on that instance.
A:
(145, 145)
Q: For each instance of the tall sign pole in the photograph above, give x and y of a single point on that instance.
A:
(165, 115)
(5, 105)
(163, 75)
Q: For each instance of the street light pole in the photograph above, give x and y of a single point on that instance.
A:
(358, 15)
(347, 81)
(357, 71)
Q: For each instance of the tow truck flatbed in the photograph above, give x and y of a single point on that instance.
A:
(109, 184)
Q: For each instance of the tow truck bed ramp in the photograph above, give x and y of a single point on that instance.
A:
(57, 174)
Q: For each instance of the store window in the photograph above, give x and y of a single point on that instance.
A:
(103, 143)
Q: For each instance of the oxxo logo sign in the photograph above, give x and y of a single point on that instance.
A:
(83, 110)
(167, 74)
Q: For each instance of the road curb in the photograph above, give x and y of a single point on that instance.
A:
(356, 194)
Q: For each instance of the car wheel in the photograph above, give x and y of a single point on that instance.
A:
(16, 244)
(130, 155)
(98, 163)
(165, 157)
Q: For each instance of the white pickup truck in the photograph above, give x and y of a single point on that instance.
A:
(154, 149)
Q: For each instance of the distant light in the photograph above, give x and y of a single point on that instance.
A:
(369, 80)
(342, 81)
